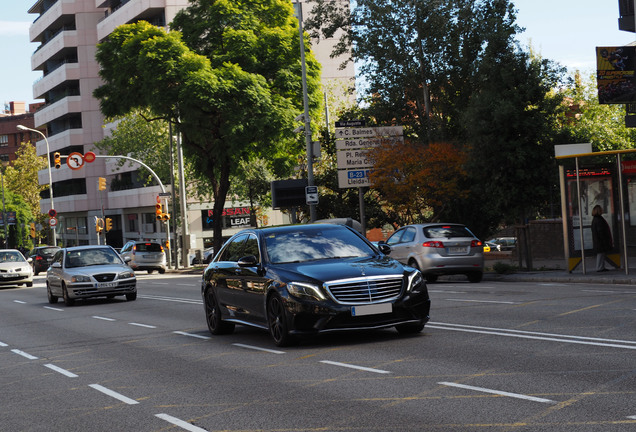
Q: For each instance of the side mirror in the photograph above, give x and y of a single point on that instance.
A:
(127, 259)
(56, 264)
(384, 248)
(248, 261)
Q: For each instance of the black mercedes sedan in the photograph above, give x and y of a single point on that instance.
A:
(307, 279)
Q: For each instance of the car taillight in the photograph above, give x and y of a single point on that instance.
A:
(38, 258)
(134, 249)
(475, 243)
(433, 244)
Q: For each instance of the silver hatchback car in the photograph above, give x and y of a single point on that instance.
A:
(439, 249)
(144, 255)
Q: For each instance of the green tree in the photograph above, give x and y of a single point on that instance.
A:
(23, 191)
(585, 120)
(231, 84)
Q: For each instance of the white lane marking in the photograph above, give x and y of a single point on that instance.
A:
(142, 325)
(178, 422)
(191, 335)
(480, 301)
(23, 354)
(355, 367)
(258, 348)
(103, 318)
(2, 344)
(60, 370)
(19, 301)
(497, 392)
(632, 417)
(114, 394)
(530, 335)
(172, 299)
(602, 291)
(53, 308)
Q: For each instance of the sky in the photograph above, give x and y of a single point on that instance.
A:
(566, 31)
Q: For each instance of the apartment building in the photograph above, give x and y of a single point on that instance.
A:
(68, 32)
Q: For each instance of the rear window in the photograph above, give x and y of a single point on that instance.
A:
(447, 231)
(48, 252)
(148, 247)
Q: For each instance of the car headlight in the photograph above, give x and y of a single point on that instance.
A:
(416, 281)
(125, 275)
(299, 289)
(80, 278)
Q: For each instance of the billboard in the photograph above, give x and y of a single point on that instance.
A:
(615, 68)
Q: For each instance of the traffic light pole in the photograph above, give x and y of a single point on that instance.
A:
(156, 177)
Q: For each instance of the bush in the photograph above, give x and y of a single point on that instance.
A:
(504, 268)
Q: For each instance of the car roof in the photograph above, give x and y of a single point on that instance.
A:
(85, 247)
(295, 227)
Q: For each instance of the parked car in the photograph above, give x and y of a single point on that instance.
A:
(439, 249)
(206, 256)
(41, 257)
(89, 271)
(145, 255)
(309, 279)
(15, 269)
(504, 243)
(492, 246)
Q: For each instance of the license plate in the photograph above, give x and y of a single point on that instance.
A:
(373, 309)
(457, 250)
(107, 285)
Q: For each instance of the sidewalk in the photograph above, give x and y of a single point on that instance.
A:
(556, 271)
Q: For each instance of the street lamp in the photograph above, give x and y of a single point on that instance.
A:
(48, 163)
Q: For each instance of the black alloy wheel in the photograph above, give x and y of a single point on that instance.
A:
(213, 315)
(278, 328)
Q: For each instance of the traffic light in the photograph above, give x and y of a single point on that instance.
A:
(32, 230)
(57, 160)
(109, 224)
(99, 225)
(165, 217)
(159, 211)
(101, 183)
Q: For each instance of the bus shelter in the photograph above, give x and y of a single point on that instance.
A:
(592, 178)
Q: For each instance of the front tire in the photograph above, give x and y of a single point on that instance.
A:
(49, 294)
(68, 301)
(131, 296)
(277, 320)
(213, 315)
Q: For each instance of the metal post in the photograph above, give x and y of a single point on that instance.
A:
(48, 163)
(184, 207)
(308, 140)
(578, 198)
(622, 211)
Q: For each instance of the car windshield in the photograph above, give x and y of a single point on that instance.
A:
(310, 244)
(91, 257)
(10, 256)
(447, 231)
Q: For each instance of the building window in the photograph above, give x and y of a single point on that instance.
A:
(150, 225)
(133, 223)
(4, 140)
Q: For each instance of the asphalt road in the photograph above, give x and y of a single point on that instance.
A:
(496, 356)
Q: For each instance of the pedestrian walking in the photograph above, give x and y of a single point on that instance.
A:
(601, 237)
